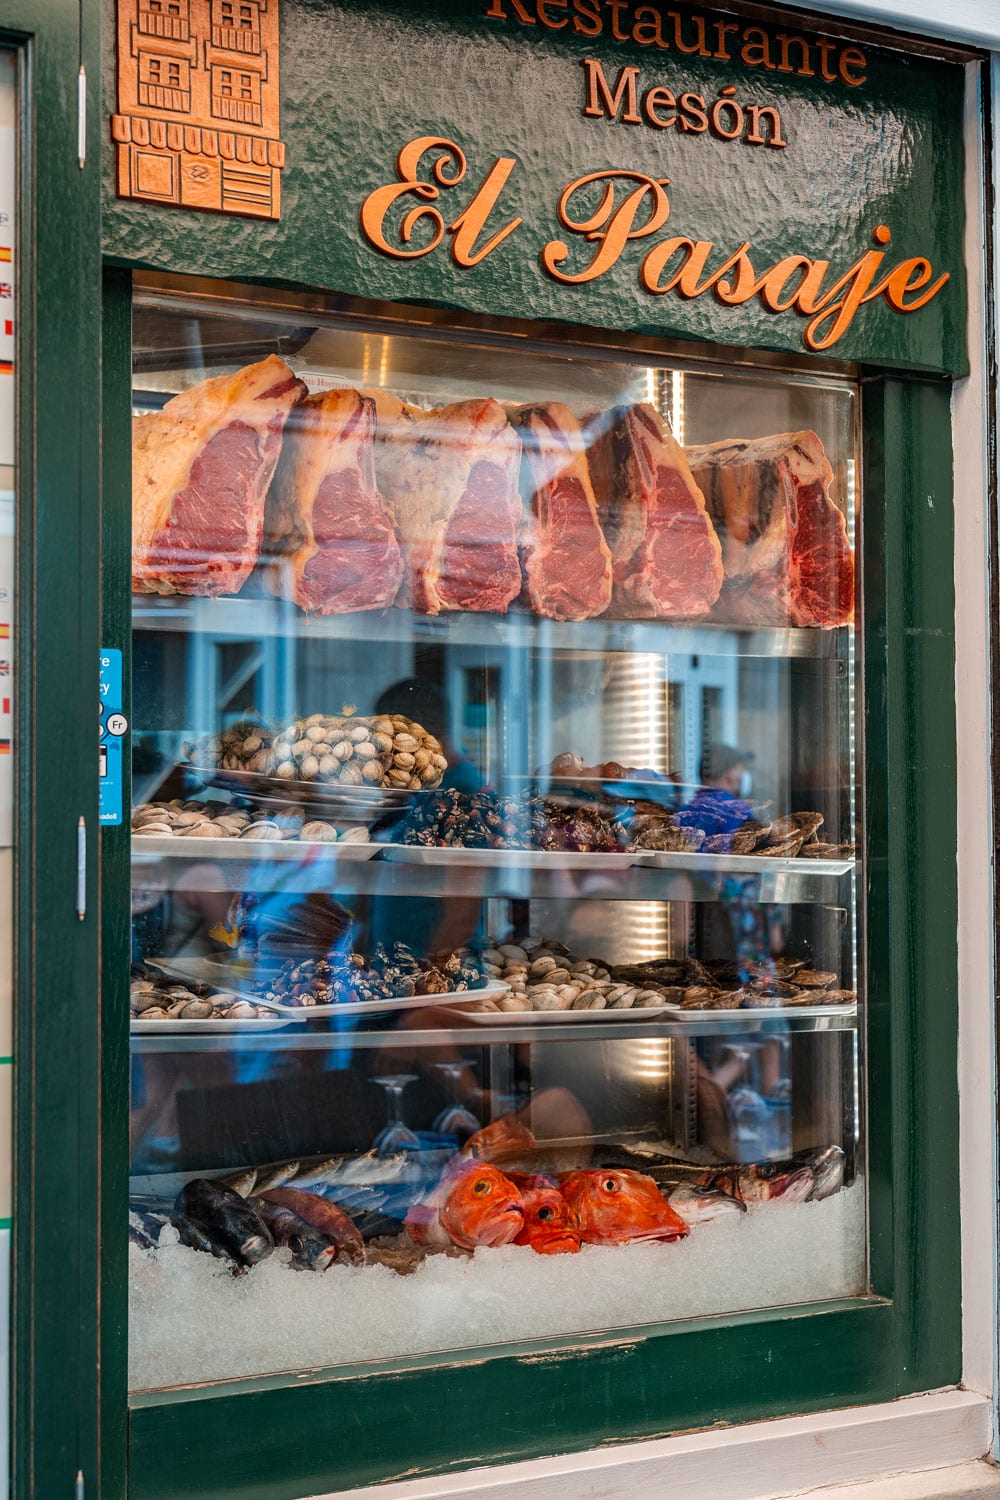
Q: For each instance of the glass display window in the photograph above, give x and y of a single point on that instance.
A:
(495, 842)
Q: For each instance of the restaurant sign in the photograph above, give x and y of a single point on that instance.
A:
(670, 171)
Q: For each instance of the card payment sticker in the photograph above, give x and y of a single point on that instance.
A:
(112, 738)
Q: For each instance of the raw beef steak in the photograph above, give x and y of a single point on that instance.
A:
(785, 549)
(567, 562)
(666, 557)
(200, 471)
(450, 479)
(328, 531)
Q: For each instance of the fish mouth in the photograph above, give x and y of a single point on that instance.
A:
(255, 1248)
(796, 1187)
(560, 1244)
(502, 1227)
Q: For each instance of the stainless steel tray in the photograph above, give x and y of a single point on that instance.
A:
(351, 803)
(743, 864)
(525, 859)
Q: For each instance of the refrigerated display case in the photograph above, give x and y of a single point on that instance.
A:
(427, 917)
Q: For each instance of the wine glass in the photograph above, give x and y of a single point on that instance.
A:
(395, 1135)
(455, 1119)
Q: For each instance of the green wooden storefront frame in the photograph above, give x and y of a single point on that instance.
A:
(316, 1431)
(56, 1370)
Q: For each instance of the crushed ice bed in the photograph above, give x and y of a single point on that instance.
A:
(191, 1321)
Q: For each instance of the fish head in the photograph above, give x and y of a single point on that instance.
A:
(505, 1138)
(828, 1164)
(698, 1205)
(769, 1181)
(614, 1206)
(550, 1225)
(481, 1206)
(311, 1251)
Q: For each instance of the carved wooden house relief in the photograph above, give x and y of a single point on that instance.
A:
(198, 118)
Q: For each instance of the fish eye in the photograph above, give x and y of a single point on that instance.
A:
(610, 1185)
(296, 1243)
(544, 1214)
(766, 1169)
(481, 1188)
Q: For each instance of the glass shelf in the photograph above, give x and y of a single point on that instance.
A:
(263, 617)
(470, 1034)
(791, 881)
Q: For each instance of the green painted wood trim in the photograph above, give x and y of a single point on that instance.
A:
(291, 1435)
(912, 881)
(307, 1439)
(54, 1353)
(116, 915)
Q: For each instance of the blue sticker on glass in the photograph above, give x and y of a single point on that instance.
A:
(112, 739)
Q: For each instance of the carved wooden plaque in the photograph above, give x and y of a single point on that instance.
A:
(198, 115)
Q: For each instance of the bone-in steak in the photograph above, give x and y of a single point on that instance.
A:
(666, 556)
(450, 479)
(201, 467)
(567, 562)
(328, 532)
(785, 549)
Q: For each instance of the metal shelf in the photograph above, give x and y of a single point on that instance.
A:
(255, 618)
(156, 863)
(469, 1035)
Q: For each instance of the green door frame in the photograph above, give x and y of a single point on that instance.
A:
(55, 1364)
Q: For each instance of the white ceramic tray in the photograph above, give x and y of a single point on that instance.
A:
(574, 1017)
(212, 971)
(524, 859)
(298, 851)
(209, 1026)
(379, 1007)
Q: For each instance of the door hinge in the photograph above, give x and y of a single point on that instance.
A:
(79, 1487)
(81, 117)
(81, 879)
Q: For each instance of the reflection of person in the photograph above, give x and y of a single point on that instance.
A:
(423, 701)
(426, 923)
(721, 798)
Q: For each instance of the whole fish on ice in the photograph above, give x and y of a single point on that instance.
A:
(617, 1207)
(473, 1204)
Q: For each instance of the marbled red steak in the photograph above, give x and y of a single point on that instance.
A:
(785, 548)
(450, 479)
(201, 468)
(330, 537)
(567, 562)
(666, 556)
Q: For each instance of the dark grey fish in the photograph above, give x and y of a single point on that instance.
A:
(225, 1219)
(829, 1165)
(311, 1250)
(374, 1226)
